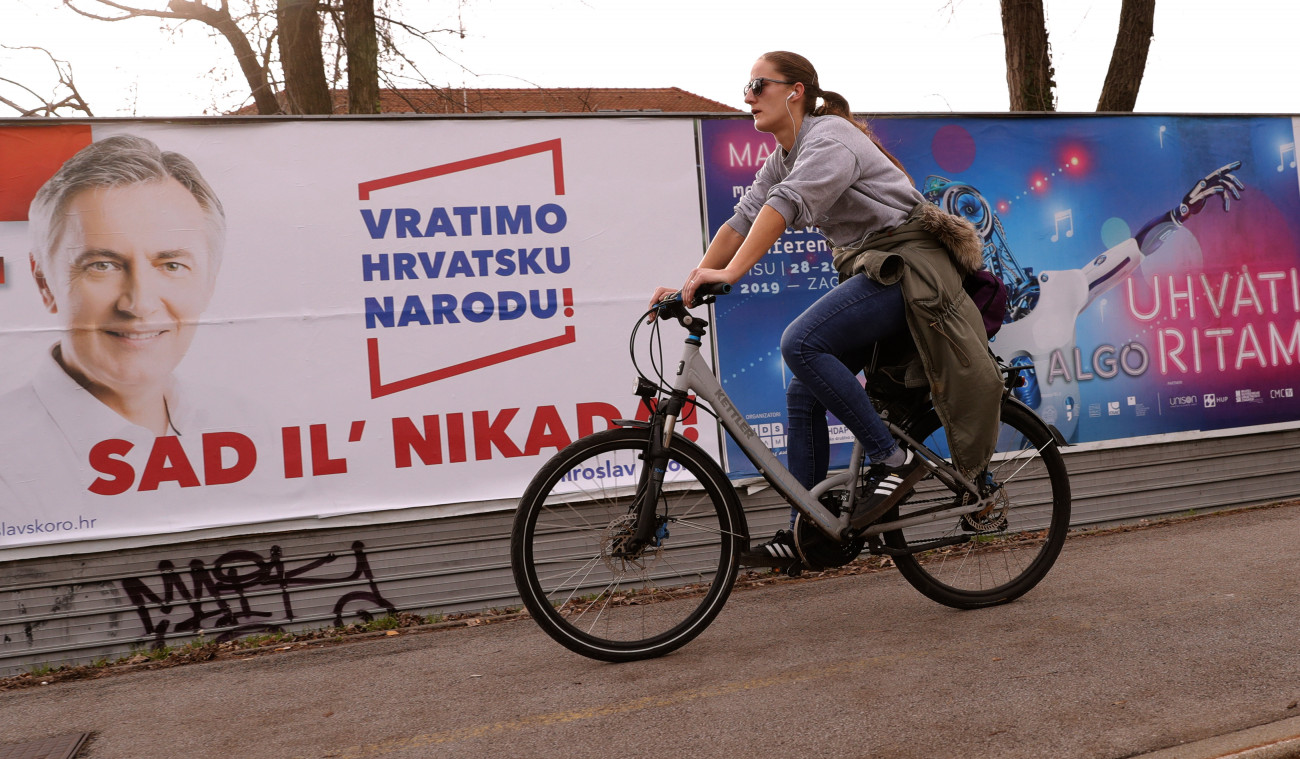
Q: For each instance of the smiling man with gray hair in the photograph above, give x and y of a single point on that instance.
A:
(127, 242)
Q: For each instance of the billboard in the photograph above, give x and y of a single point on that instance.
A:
(1152, 263)
(334, 317)
(310, 318)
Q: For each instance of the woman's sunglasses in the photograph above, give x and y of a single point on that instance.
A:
(757, 85)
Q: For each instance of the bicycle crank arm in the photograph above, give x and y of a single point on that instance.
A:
(766, 561)
(900, 524)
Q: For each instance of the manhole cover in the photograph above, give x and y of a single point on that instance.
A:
(59, 747)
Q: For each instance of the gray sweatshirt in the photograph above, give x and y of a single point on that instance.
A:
(836, 179)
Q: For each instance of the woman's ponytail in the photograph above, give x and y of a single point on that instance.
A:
(834, 104)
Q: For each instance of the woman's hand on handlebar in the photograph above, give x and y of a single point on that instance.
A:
(697, 278)
(661, 294)
(700, 277)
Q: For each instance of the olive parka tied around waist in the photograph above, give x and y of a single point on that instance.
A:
(930, 254)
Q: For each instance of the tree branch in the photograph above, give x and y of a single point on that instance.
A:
(129, 11)
(219, 19)
(73, 101)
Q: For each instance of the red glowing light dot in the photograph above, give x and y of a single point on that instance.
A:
(1076, 157)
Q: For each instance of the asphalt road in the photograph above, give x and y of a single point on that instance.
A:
(1136, 641)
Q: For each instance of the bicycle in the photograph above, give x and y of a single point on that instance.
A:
(625, 544)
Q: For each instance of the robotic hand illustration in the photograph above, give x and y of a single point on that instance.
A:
(1039, 328)
(1218, 182)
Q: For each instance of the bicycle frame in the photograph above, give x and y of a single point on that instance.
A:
(695, 376)
(638, 562)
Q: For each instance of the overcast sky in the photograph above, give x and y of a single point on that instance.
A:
(884, 56)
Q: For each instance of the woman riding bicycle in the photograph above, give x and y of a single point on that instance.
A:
(900, 260)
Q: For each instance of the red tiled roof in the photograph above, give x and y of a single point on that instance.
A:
(539, 100)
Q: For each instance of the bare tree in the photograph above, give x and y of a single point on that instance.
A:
(292, 37)
(1030, 76)
(1129, 60)
(254, 68)
(64, 98)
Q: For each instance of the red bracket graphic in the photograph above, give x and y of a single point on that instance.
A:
(379, 388)
(550, 146)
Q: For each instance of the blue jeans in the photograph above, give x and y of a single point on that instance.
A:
(825, 348)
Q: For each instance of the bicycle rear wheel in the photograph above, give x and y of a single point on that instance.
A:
(1013, 543)
(565, 549)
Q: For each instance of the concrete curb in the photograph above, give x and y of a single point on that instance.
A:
(1275, 740)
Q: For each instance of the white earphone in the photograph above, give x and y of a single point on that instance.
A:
(792, 94)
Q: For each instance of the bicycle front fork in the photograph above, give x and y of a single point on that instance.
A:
(663, 419)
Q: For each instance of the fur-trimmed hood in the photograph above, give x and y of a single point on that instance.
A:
(957, 235)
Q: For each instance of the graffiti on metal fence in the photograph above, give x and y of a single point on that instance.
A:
(243, 592)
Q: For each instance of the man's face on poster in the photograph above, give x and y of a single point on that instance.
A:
(129, 277)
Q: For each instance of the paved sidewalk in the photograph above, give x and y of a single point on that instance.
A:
(1277, 740)
(1179, 639)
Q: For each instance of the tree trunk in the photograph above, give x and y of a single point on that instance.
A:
(1129, 61)
(1029, 58)
(362, 46)
(305, 87)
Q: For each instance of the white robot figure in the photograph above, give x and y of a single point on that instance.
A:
(1039, 328)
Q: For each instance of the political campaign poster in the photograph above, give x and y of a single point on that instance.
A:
(237, 322)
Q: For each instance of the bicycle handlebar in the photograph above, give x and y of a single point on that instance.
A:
(709, 291)
(672, 307)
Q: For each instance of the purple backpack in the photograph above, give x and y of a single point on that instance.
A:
(990, 297)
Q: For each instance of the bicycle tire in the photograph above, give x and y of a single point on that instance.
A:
(1010, 549)
(616, 608)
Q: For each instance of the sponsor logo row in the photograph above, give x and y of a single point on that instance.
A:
(1211, 400)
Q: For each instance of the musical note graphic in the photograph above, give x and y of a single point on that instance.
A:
(1162, 135)
(1067, 216)
(1287, 148)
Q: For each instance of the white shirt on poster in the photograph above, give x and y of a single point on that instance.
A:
(50, 426)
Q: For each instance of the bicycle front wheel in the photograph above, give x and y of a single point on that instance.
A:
(570, 561)
(1010, 545)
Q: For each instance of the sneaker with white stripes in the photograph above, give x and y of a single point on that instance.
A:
(884, 487)
(779, 552)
